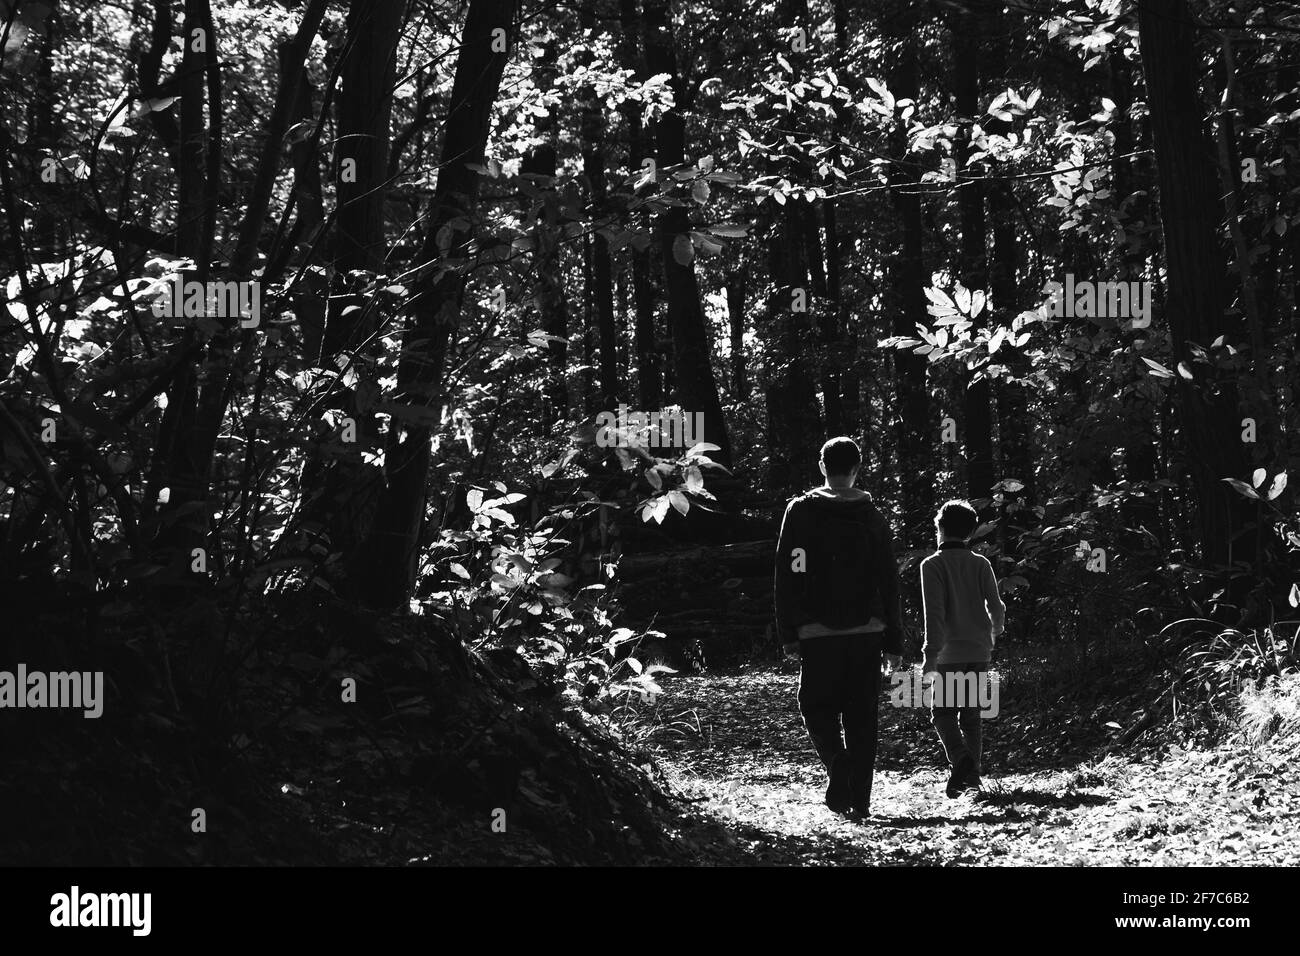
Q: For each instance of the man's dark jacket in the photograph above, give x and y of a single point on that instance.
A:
(808, 519)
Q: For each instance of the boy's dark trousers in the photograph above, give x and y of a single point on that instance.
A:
(959, 728)
(839, 680)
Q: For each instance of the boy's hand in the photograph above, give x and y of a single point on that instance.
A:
(892, 661)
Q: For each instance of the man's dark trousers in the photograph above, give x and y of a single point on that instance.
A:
(839, 680)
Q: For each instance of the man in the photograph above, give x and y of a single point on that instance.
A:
(837, 607)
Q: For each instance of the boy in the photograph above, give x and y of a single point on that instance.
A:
(837, 607)
(963, 617)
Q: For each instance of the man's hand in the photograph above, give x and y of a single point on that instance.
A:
(892, 662)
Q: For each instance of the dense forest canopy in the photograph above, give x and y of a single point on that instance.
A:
(442, 307)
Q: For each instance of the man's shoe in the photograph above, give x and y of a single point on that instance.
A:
(838, 798)
(861, 798)
(958, 780)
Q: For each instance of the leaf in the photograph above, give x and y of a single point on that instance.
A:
(458, 570)
(963, 299)
(699, 448)
(1242, 487)
(886, 98)
(1258, 477)
(656, 480)
(1158, 370)
(1294, 596)
(1278, 486)
(683, 250)
(728, 230)
(1113, 725)
(557, 466)
(940, 298)
(679, 501)
(474, 499)
(694, 479)
(700, 192)
(540, 339)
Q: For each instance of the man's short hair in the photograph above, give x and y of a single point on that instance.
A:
(841, 455)
(957, 519)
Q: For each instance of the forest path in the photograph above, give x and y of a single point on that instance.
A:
(733, 741)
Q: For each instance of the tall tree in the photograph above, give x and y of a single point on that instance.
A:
(916, 431)
(649, 373)
(382, 570)
(602, 269)
(1209, 417)
(692, 339)
(365, 105)
(542, 202)
(972, 266)
(345, 489)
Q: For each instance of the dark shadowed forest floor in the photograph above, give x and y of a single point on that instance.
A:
(735, 744)
(716, 771)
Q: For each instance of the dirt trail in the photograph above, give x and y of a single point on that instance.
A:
(732, 740)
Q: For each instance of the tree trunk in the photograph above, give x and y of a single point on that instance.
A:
(850, 383)
(602, 273)
(692, 341)
(1189, 210)
(649, 380)
(365, 108)
(736, 320)
(972, 265)
(1141, 443)
(917, 432)
(186, 433)
(541, 203)
(384, 567)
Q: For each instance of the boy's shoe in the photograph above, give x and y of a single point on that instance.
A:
(838, 797)
(959, 779)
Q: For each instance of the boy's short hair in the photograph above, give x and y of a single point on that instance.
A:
(841, 455)
(957, 519)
